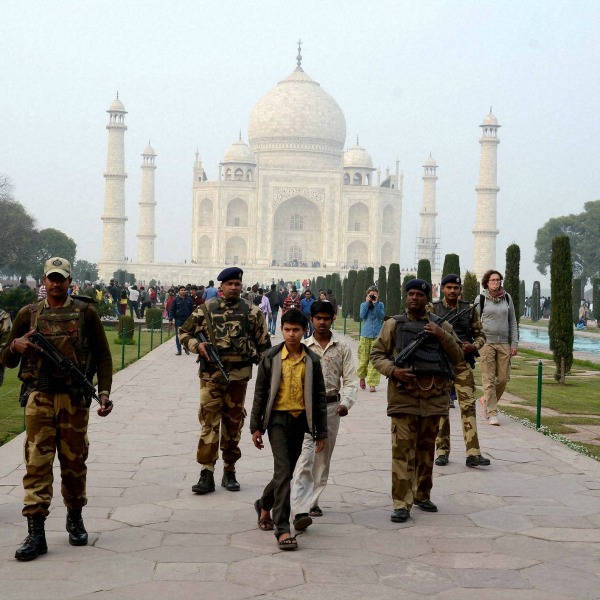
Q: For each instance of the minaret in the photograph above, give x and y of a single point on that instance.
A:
(427, 244)
(113, 218)
(146, 233)
(485, 231)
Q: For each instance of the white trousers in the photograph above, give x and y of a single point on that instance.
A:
(312, 469)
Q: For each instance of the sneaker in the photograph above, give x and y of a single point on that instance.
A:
(483, 410)
(493, 420)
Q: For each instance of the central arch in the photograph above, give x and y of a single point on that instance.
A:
(297, 226)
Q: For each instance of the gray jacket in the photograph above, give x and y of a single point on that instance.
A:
(498, 319)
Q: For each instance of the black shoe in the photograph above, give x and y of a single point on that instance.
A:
(427, 506)
(302, 521)
(477, 461)
(206, 483)
(177, 353)
(35, 543)
(442, 460)
(229, 482)
(77, 534)
(400, 515)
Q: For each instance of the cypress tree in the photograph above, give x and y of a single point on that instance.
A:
(382, 285)
(560, 329)
(511, 278)
(349, 294)
(406, 279)
(327, 284)
(535, 302)
(359, 292)
(370, 277)
(345, 295)
(424, 270)
(576, 302)
(596, 298)
(451, 265)
(470, 289)
(336, 287)
(393, 290)
(522, 297)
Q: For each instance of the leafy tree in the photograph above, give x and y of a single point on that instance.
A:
(406, 279)
(393, 290)
(382, 285)
(560, 329)
(576, 299)
(47, 243)
(535, 302)
(511, 278)
(370, 277)
(424, 270)
(14, 299)
(151, 284)
(123, 277)
(583, 231)
(470, 289)
(451, 265)
(17, 234)
(349, 293)
(359, 292)
(86, 271)
(596, 298)
(522, 297)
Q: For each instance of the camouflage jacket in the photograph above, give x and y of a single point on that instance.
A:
(238, 330)
(75, 330)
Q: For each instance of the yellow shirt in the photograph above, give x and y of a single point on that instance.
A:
(290, 395)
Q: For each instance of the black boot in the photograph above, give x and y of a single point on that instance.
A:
(35, 543)
(205, 484)
(229, 482)
(77, 534)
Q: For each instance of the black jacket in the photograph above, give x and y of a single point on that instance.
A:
(267, 385)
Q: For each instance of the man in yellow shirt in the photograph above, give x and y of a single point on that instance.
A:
(289, 401)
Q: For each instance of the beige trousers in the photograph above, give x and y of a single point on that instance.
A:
(494, 360)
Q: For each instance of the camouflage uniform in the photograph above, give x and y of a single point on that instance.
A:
(56, 414)
(240, 335)
(464, 384)
(5, 326)
(415, 411)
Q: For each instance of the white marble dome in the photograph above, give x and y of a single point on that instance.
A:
(117, 106)
(297, 114)
(149, 150)
(239, 152)
(358, 157)
(430, 162)
(490, 119)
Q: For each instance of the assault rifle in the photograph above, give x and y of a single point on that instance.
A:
(68, 367)
(215, 359)
(403, 357)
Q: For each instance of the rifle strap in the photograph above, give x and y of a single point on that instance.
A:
(35, 311)
(209, 325)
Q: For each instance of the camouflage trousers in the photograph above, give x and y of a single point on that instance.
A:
(465, 391)
(365, 366)
(221, 412)
(53, 425)
(413, 452)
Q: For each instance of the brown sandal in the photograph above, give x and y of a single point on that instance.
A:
(265, 524)
(288, 543)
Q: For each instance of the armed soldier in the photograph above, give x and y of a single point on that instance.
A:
(5, 326)
(238, 331)
(469, 330)
(56, 408)
(417, 396)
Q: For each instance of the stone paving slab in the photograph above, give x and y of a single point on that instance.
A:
(528, 527)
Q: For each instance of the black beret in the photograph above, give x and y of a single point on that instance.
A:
(451, 278)
(230, 273)
(419, 284)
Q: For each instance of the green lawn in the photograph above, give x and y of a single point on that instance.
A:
(11, 414)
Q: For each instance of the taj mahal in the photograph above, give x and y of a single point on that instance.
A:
(289, 203)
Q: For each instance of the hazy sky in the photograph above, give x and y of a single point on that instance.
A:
(411, 78)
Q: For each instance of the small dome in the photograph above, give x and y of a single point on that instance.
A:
(239, 152)
(358, 157)
(117, 106)
(430, 162)
(490, 119)
(149, 150)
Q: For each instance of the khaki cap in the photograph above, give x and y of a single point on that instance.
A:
(58, 265)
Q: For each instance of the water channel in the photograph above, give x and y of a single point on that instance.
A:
(540, 336)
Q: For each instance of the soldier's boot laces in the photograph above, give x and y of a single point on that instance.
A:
(229, 482)
(77, 534)
(206, 483)
(35, 543)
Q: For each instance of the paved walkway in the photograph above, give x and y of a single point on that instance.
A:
(528, 527)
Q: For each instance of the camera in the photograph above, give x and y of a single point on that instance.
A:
(373, 297)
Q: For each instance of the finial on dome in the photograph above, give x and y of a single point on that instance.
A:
(240, 139)
(490, 110)
(357, 139)
(299, 57)
(117, 95)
